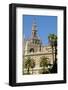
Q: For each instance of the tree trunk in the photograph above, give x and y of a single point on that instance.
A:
(52, 54)
(28, 70)
(43, 70)
(56, 59)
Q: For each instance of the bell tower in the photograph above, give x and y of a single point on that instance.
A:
(35, 42)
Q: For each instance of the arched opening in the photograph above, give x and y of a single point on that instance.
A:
(31, 50)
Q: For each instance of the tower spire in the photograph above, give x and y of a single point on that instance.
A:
(34, 28)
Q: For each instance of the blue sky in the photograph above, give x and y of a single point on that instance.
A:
(45, 24)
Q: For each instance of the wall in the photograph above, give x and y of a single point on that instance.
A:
(4, 44)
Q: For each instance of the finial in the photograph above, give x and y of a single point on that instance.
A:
(34, 21)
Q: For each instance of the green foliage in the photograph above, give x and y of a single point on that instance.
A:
(29, 63)
(52, 39)
(44, 62)
(53, 42)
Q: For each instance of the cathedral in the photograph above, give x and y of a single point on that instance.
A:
(34, 49)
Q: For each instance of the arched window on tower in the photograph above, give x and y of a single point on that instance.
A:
(31, 50)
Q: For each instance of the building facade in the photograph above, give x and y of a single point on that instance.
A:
(34, 49)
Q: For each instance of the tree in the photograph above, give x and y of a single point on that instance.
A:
(32, 64)
(29, 63)
(43, 63)
(53, 42)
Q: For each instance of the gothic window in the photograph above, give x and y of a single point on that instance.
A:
(31, 50)
(35, 41)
